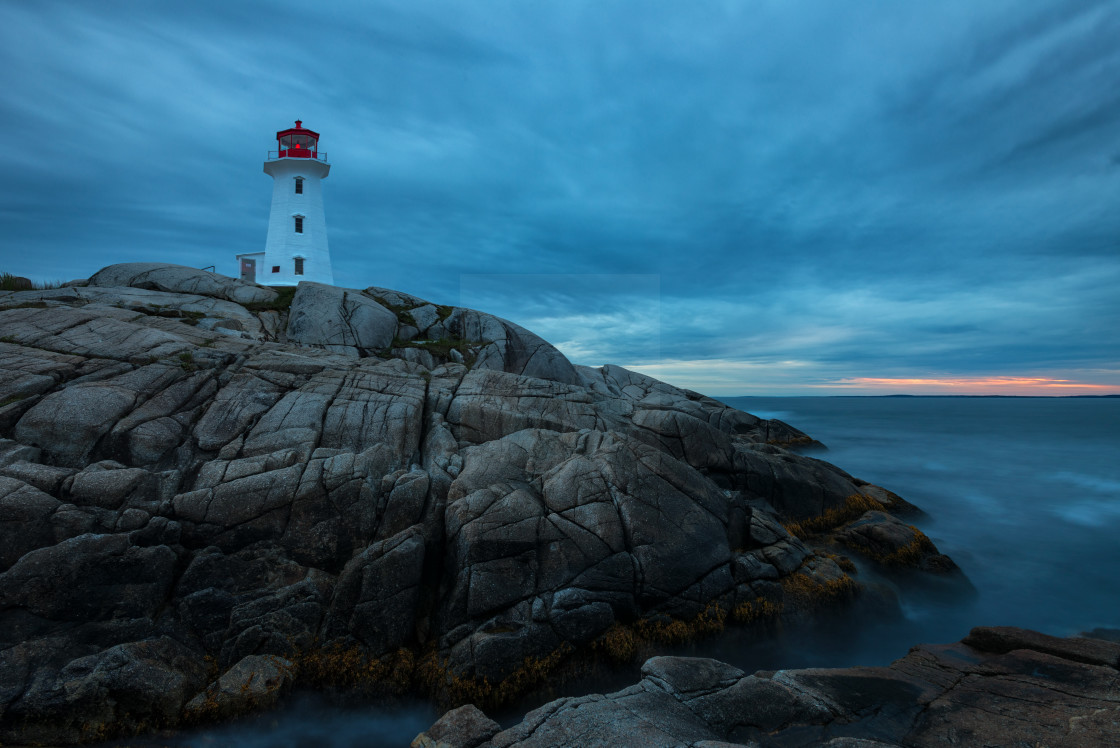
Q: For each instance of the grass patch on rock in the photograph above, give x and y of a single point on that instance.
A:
(797, 441)
(909, 555)
(441, 349)
(396, 308)
(190, 318)
(24, 305)
(404, 315)
(406, 672)
(802, 590)
(624, 642)
(852, 508)
(282, 302)
(403, 672)
(759, 609)
(9, 282)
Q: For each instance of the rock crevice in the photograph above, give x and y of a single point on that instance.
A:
(395, 479)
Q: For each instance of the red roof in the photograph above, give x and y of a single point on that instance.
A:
(297, 130)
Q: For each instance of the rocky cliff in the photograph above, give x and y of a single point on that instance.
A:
(998, 687)
(211, 489)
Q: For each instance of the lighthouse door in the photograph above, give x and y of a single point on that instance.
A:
(248, 269)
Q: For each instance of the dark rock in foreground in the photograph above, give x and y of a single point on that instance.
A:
(210, 490)
(998, 687)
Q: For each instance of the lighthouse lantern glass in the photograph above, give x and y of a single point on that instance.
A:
(297, 140)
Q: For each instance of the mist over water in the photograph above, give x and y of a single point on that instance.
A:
(1023, 493)
(307, 720)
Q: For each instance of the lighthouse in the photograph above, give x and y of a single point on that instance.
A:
(296, 248)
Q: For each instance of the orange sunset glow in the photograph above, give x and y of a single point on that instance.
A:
(983, 385)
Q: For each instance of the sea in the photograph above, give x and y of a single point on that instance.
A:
(1023, 493)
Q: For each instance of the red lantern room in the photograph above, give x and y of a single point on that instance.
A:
(298, 142)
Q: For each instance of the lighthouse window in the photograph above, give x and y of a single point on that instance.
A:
(299, 185)
(299, 266)
(299, 224)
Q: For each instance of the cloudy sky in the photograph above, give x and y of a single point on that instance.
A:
(752, 197)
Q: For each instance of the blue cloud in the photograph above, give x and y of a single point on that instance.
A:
(833, 189)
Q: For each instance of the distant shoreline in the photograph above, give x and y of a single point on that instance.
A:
(1003, 397)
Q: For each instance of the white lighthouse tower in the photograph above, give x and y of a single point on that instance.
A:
(296, 248)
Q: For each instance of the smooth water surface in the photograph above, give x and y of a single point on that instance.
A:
(1023, 493)
(307, 720)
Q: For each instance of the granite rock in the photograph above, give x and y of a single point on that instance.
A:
(999, 686)
(177, 465)
(180, 279)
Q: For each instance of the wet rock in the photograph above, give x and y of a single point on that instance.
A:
(255, 682)
(1004, 639)
(139, 685)
(1000, 686)
(465, 727)
(892, 542)
(1112, 635)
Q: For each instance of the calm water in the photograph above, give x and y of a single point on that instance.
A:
(1024, 493)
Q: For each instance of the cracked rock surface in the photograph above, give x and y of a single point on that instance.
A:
(202, 478)
(998, 687)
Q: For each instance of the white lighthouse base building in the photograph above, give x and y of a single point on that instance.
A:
(296, 248)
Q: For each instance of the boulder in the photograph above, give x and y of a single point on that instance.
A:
(596, 525)
(338, 318)
(1000, 686)
(465, 727)
(137, 685)
(18, 282)
(68, 424)
(255, 682)
(490, 342)
(1089, 650)
(891, 542)
(156, 303)
(505, 346)
(96, 333)
(180, 279)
